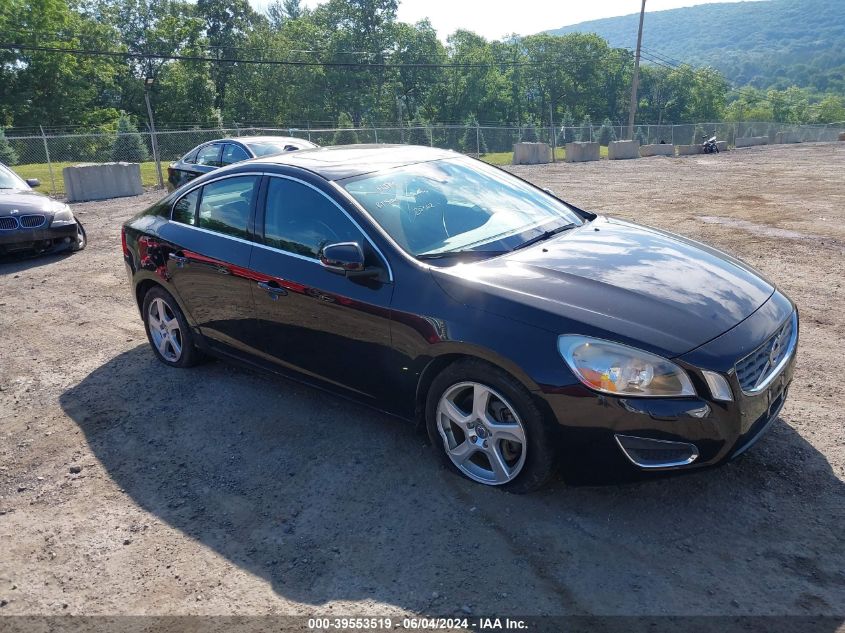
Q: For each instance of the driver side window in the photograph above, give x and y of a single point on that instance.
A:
(301, 220)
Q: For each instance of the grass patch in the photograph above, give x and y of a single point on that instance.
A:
(506, 158)
(42, 172)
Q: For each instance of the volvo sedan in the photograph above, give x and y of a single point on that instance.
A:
(523, 332)
(209, 156)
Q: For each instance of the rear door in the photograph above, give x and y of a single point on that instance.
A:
(317, 322)
(208, 252)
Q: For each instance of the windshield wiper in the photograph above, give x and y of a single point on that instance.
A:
(464, 253)
(546, 235)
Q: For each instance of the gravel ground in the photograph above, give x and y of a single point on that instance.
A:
(130, 488)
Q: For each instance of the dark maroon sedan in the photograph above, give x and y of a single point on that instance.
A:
(522, 331)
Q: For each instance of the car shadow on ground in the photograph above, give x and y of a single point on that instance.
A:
(19, 262)
(328, 500)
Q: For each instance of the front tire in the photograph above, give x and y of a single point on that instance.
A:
(81, 238)
(486, 426)
(168, 331)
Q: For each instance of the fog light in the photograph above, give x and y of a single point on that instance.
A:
(719, 387)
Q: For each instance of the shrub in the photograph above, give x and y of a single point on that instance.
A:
(606, 133)
(8, 154)
(473, 140)
(347, 134)
(418, 134)
(586, 132)
(128, 145)
(529, 134)
(567, 131)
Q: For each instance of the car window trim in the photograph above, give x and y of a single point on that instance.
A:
(240, 147)
(259, 211)
(219, 154)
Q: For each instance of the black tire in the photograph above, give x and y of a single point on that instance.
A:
(541, 457)
(189, 354)
(81, 238)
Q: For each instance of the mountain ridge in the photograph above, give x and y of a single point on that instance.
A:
(764, 43)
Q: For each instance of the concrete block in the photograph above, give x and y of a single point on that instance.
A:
(690, 150)
(531, 153)
(582, 152)
(659, 149)
(842, 136)
(722, 146)
(751, 141)
(782, 138)
(102, 181)
(621, 150)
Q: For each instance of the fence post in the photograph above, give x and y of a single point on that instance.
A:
(477, 140)
(430, 137)
(153, 140)
(49, 163)
(375, 131)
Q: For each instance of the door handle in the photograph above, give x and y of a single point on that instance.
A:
(272, 288)
(180, 260)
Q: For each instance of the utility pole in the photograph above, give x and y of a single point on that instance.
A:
(636, 81)
(148, 83)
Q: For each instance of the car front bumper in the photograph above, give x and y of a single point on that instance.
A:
(39, 240)
(660, 434)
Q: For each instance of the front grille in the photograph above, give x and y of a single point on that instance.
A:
(32, 221)
(754, 369)
(8, 224)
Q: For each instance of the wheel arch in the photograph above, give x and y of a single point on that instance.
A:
(446, 358)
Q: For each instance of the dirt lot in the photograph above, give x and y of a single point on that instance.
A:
(220, 491)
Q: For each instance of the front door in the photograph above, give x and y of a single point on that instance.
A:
(317, 322)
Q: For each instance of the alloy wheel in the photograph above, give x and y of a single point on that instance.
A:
(164, 330)
(482, 433)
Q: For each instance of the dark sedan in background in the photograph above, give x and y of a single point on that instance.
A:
(33, 222)
(228, 151)
(525, 333)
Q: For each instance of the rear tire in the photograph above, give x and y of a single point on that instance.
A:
(486, 426)
(168, 331)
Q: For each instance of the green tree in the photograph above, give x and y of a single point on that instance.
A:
(640, 136)
(128, 145)
(473, 141)
(585, 134)
(8, 155)
(346, 135)
(567, 128)
(831, 109)
(418, 134)
(529, 133)
(606, 132)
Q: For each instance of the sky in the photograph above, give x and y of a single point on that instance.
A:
(496, 18)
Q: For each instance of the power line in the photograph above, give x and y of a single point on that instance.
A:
(266, 62)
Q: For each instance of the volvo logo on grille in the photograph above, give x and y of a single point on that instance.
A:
(777, 346)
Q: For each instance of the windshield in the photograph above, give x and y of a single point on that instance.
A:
(268, 149)
(10, 180)
(458, 204)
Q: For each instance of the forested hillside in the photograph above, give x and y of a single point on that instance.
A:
(766, 43)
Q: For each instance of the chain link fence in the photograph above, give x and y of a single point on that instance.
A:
(43, 156)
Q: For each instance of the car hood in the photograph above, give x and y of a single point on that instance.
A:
(616, 280)
(22, 202)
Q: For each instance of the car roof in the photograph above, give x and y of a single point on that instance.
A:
(347, 161)
(268, 139)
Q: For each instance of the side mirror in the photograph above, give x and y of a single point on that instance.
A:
(550, 192)
(33, 182)
(344, 258)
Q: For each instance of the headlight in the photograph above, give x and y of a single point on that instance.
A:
(63, 217)
(621, 370)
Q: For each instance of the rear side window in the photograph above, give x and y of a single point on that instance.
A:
(234, 154)
(226, 205)
(301, 220)
(190, 157)
(209, 155)
(185, 210)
